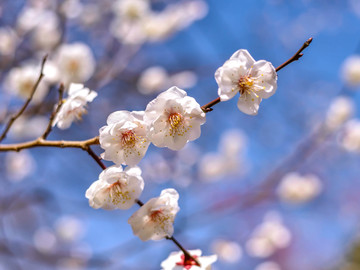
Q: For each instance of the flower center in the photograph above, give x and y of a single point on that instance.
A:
(245, 84)
(175, 120)
(128, 138)
(187, 263)
(117, 195)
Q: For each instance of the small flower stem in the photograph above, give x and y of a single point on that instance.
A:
(296, 56)
(186, 253)
(95, 157)
(53, 115)
(27, 102)
(207, 108)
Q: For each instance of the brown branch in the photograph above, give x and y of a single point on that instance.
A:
(17, 115)
(95, 157)
(40, 142)
(207, 108)
(187, 255)
(53, 115)
(296, 56)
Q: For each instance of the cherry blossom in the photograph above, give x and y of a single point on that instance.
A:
(176, 261)
(116, 188)
(124, 139)
(174, 119)
(254, 80)
(74, 106)
(76, 62)
(296, 188)
(154, 220)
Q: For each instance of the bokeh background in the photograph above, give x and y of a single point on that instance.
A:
(231, 198)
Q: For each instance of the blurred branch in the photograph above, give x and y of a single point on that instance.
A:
(208, 107)
(23, 108)
(52, 117)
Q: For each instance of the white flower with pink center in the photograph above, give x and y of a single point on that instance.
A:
(116, 189)
(74, 106)
(177, 261)
(254, 80)
(154, 220)
(124, 139)
(174, 119)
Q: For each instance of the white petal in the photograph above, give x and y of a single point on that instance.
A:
(244, 56)
(249, 103)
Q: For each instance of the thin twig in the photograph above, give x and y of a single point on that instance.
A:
(297, 55)
(40, 142)
(186, 253)
(95, 157)
(207, 108)
(17, 115)
(55, 112)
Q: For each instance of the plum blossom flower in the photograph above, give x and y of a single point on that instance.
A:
(351, 70)
(76, 62)
(116, 189)
(340, 110)
(124, 139)
(254, 80)
(176, 261)
(74, 106)
(154, 220)
(175, 119)
(296, 188)
(350, 139)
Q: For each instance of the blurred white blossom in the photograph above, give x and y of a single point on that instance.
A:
(154, 220)
(74, 106)
(116, 189)
(350, 138)
(268, 266)
(76, 62)
(340, 110)
(351, 70)
(174, 119)
(71, 8)
(44, 240)
(8, 41)
(19, 165)
(254, 80)
(124, 138)
(227, 251)
(176, 261)
(28, 127)
(152, 80)
(268, 237)
(297, 189)
(69, 228)
(20, 81)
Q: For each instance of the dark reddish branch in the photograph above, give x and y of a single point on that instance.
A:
(53, 115)
(297, 55)
(27, 102)
(207, 108)
(95, 157)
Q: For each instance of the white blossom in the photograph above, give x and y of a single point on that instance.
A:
(296, 188)
(350, 139)
(20, 81)
(8, 41)
(228, 251)
(351, 70)
(340, 110)
(131, 9)
(124, 139)
(268, 237)
(154, 220)
(268, 265)
(153, 79)
(116, 189)
(176, 261)
(74, 106)
(76, 62)
(254, 80)
(174, 119)
(19, 165)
